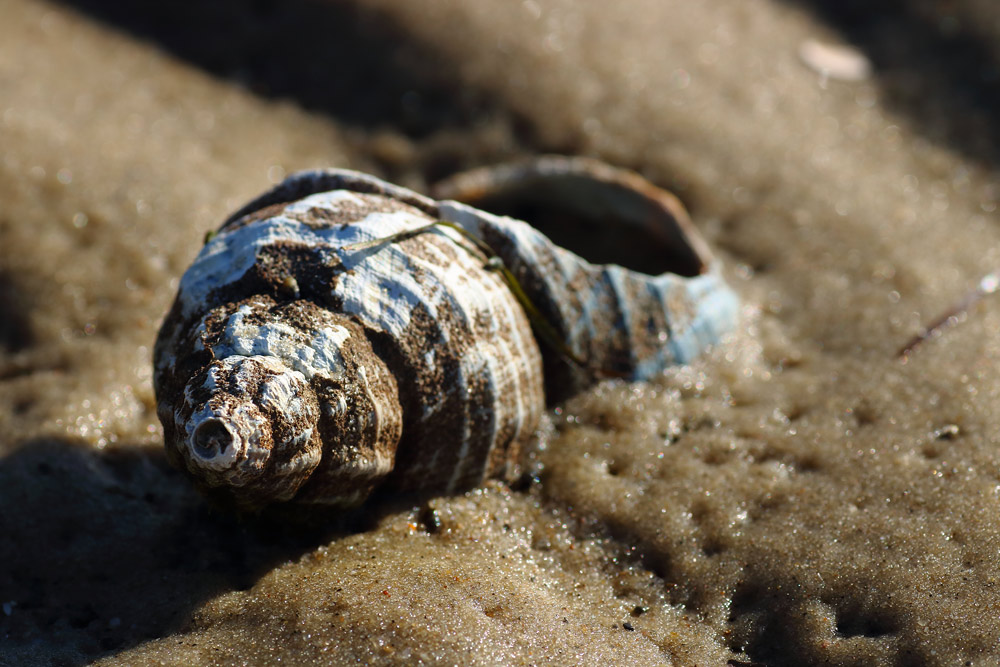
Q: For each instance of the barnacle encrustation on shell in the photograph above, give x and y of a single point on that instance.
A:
(340, 334)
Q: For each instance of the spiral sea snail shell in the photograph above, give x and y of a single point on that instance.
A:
(334, 337)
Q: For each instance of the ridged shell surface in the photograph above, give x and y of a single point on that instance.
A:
(300, 362)
(341, 333)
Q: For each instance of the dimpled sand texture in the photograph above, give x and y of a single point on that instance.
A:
(798, 496)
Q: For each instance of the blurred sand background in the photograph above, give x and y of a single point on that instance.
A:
(800, 496)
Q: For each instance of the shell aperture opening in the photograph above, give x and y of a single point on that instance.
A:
(248, 424)
(211, 439)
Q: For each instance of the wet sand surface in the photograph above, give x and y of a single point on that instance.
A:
(798, 496)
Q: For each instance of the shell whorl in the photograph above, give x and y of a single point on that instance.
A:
(307, 358)
(264, 443)
(416, 337)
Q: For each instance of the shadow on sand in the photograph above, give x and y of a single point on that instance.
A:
(89, 537)
(935, 63)
(350, 62)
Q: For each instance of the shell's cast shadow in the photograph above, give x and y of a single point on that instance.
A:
(90, 537)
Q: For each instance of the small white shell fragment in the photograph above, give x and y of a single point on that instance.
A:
(835, 61)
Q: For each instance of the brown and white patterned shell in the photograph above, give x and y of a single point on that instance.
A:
(290, 366)
(304, 360)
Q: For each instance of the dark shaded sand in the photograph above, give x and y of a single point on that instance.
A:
(800, 496)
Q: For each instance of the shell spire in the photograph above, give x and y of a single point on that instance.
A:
(250, 422)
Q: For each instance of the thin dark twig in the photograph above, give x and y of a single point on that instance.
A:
(988, 284)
